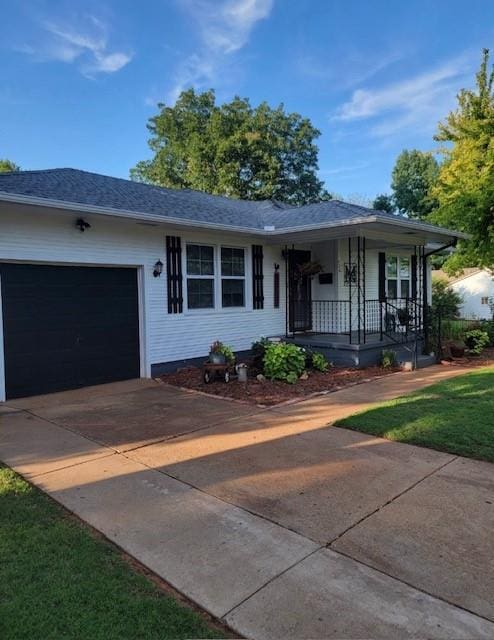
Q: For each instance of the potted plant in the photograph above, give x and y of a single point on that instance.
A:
(220, 353)
(456, 348)
(311, 268)
(404, 317)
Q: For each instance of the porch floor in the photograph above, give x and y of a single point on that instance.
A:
(339, 350)
(339, 340)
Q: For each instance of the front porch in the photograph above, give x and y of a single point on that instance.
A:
(341, 352)
(367, 295)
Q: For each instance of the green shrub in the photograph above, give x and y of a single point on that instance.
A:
(388, 359)
(477, 340)
(445, 301)
(319, 362)
(283, 361)
(488, 327)
(258, 349)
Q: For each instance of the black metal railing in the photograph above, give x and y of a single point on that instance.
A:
(399, 319)
(402, 319)
(331, 316)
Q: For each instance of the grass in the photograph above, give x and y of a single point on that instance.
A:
(58, 579)
(453, 416)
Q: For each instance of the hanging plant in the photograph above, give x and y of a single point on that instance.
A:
(311, 268)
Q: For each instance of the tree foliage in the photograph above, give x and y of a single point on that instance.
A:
(445, 301)
(233, 149)
(414, 174)
(8, 165)
(465, 187)
(384, 202)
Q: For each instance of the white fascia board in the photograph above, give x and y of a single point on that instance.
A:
(181, 222)
(122, 213)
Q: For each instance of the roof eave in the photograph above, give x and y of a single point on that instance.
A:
(181, 222)
(123, 213)
(409, 224)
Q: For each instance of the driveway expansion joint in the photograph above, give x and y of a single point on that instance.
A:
(410, 584)
(390, 501)
(268, 582)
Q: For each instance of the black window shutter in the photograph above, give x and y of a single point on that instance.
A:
(382, 276)
(413, 275)
(257, 277)
(276, 293)
(174, 274)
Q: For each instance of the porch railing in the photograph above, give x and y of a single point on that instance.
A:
(396, 318)
(331, 316)
(402, 319)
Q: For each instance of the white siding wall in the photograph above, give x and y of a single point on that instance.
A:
(472, 290)
(52, 238)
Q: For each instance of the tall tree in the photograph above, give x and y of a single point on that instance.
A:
(233, 149)
(465, 188)
(384, 202)
(8, 165)
(413, 177)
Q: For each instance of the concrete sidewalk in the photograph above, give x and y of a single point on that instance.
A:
(238, 515)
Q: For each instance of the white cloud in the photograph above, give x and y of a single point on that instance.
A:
(86, 45)
(416, 103)
(345, 70)
(224, 27)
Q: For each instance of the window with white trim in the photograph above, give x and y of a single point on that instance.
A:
(484, 300)
(397, 277)
(232, 277)
(200, 276)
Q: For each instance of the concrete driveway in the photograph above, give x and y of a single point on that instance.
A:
(271, 519)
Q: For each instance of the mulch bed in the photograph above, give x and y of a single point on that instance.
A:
(271, 392)
(485, 359)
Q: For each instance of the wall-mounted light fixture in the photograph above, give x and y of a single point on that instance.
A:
(82, 225)
(158, 269)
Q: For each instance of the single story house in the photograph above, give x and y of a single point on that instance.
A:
(476, 288)
(104, 279)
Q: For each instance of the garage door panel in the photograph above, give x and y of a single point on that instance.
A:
(66, 327)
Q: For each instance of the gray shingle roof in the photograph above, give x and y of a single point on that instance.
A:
(92, 189)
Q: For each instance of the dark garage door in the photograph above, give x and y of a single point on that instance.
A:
(68, 327)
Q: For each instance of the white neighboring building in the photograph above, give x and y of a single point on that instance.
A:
(476, 287)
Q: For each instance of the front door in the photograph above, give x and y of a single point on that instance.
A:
(299, 292)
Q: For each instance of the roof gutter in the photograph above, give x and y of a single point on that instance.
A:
(419, 226)
(147, 217)
(122, 213)
(453, 243)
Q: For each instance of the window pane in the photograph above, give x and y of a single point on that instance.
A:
(200, 260)
(232, 262)
(232, 293)
(404, 267)
(405, 288)
(392, 289)
(200, 293)
(391, 267)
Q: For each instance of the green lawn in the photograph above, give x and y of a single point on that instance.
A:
(456, 416)
(58, 580)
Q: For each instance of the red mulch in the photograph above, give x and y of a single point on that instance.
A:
(486, 358)
(272, 392)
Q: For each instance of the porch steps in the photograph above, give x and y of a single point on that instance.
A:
(425, 361)
(406, 362)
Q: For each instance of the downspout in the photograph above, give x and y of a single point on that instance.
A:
(425, 301)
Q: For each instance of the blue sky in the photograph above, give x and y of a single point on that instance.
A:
(80, 79)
